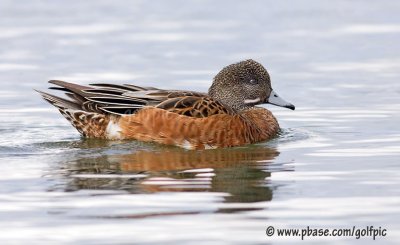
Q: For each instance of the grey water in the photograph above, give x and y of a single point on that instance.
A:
(335, 164)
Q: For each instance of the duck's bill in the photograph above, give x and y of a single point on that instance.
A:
(275, 99)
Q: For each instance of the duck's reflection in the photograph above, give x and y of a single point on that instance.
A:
(239, 172)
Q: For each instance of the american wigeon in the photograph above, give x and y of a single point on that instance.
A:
(226, 116)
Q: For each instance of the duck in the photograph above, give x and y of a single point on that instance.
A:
(228, 115)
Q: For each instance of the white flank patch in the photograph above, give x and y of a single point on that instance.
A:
(209, 147)
(253, 101)
(186, 144)
(113, 130)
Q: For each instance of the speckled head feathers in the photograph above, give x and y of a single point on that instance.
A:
(242, 85)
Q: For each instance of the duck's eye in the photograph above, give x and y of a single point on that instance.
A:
(253, 81)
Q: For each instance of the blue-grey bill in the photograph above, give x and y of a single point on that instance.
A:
(275, 99)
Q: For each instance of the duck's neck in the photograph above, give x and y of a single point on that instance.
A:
(230, 99)
(236, 104)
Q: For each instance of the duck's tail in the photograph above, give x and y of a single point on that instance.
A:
(88, 124)
(60, 103)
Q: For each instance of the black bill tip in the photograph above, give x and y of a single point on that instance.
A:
(291, 107)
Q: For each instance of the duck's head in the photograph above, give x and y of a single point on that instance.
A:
(244, 85)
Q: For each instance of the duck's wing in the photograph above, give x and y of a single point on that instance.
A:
(127, 99)
(188, 103)
(194, 106)
(98, 98)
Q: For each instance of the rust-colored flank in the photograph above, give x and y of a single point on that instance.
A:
(226, 116)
